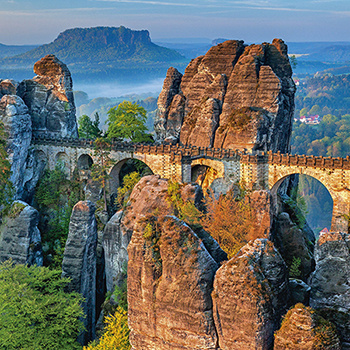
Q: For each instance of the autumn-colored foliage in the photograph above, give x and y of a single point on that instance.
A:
(229, 220)
(116, 333)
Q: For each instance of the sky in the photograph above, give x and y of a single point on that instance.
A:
(40, 21)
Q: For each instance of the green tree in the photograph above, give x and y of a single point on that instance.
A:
(127, 122)
(55, 197)
(6, 187)
(129, 182)
(89, 129)
(35, 311)
(99, 170)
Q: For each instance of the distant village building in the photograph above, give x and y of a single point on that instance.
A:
(325, 230)
(309, 119)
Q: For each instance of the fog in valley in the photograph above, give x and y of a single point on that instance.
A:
(116, 89)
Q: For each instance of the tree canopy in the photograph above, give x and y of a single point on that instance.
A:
(127, 122)
(35, 311)
(89, 129)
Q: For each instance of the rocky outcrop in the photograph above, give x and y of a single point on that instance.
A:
(304, 329)
(169, 118)
(235, 96)
(170, 268)
(260, 202)
(250, 294)
(299, 292)
(330, 282)
(49, 97)
(170, 277)
(149, 197)
(115, 243)
(18, 125)
(293, 243)
(8, 87)
(20, 238)
(79, 262)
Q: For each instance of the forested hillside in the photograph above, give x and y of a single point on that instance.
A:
(329, 97)
(102, 53)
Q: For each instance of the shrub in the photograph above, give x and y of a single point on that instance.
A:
(35, 311)
(116, 334)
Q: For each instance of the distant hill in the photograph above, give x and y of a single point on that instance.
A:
(103, 53)
(12, 50)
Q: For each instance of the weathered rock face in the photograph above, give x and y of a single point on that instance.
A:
(49, 97)
(250, 294)
(18, 125)
(170, 276)
(8, 87)
(149, 197)
(235, 96)
(163, 262)
(79, 262)
(261, 203)
(299, 292)
(293, 243)
(330, 282)
(20, 238)
(115, 243)
(304, 329)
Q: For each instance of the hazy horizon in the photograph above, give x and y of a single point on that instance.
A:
(37, 22)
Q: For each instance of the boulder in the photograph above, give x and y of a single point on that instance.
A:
(170, 277)
(49, 97)
(79, 262)
(20, 238)
(250, 295)
(18, 125)
(330, 282)
(303, 329)
(235, 96)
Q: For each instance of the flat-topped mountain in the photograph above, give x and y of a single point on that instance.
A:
(103, 52)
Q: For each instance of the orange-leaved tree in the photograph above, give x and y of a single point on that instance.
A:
(230, 221)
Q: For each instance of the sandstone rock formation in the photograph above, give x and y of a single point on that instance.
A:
(20, 238)
(170, 269)
(79, 262)
(304, 329)
(299, 292)
(170, 276)
(293, 243)
(8, 87)
(330, 282)
(18, 125)
(235, 96)
(115, 243)
(149, 197)
(49, 97)
(250, 294)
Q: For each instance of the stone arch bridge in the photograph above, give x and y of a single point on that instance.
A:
(256, 171)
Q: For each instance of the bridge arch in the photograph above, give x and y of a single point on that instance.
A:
(205, 171)
(84, 162)
(116, 172)
(339, 195)
(62, 159)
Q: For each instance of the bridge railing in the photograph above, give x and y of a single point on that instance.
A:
(309, 161)
(194, 152)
